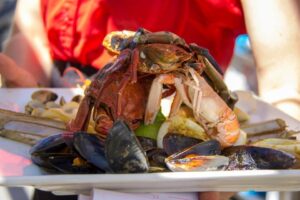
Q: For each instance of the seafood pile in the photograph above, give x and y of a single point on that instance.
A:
(119, 126)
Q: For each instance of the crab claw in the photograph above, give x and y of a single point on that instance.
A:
(117, 41)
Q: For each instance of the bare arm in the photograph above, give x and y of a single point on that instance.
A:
(274, 30)
(28, 47)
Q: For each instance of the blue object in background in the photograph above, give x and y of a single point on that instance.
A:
(252, 195)
(7, 9)
(242, 44)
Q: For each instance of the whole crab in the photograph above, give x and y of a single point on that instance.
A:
(164, 61)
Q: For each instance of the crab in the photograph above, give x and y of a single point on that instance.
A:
(150, 66)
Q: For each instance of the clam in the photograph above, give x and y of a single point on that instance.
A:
(44, 96)
(51, 104)
(32, 105)
(38, 112)
(70, 108)
(77, 98)
(62, 101)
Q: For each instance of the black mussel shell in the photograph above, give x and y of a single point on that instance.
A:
(123, 151)
(211, 147)
(53, 143)
(46, 147)
(147, 143)
(173, 143)
(64, 164)
(252, 157)
(91, 148)
(157, 157)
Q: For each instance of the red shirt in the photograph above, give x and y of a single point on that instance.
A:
(76, 28)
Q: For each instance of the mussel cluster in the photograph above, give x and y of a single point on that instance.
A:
(124, 152)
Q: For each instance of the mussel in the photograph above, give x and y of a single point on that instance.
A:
(252, 157)
(91, 148)
(123, 151)
(53, 153)
(200, 157)
(82, 152)
(173, 143)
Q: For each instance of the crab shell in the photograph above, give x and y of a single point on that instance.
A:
(134, 94)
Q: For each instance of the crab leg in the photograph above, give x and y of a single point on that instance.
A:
(155, 96)
(176, 103)
(129, 76)
(214, 74)
(81, 121)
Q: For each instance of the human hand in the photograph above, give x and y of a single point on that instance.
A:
(14, 76)
(215, 195)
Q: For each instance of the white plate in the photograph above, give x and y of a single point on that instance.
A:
(16, 168)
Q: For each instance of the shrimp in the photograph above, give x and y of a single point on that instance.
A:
(209, 109)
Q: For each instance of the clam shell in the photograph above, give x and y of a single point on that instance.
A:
(44, 96)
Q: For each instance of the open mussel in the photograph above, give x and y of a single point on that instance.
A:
(47, 147)
(252, 157)
(123, 151)
(81, 152)
(200, 157)
(53, 153)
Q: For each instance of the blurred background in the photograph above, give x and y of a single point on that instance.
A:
(240, 76)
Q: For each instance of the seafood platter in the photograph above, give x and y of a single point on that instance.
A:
(157, 118)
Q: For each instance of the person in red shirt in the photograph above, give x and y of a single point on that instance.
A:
(74, 29)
